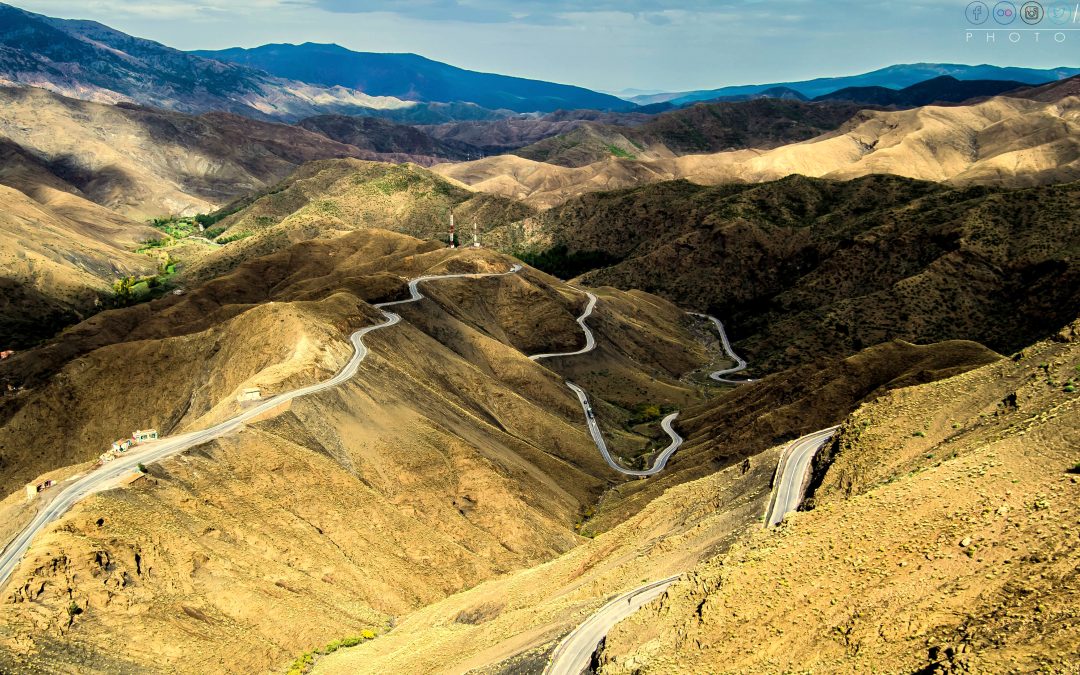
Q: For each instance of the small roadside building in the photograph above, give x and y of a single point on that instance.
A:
(144, 435)
(122, 445)
(252, 394)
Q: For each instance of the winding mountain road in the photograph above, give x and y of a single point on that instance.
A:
(792, 474)
(576, 650)
(590, 339)
(110, 474)
(740, 364)
(590, 417)
(598, 438)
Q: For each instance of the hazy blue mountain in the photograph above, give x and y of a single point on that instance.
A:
(90, 61)
(893, 77)
(944, 89)
(412, 77)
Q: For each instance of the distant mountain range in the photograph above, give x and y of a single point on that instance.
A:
(944, 89)
(286, 82)
(414, 78)
(87, 60)
(893, 77)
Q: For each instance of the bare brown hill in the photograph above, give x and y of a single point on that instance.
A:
(329, 197)
(498, 136)
(805, 267)
(943, 540)
(143, 162)
(449, 459)
(513, 622)
(703, 128)
(59, 255)
(1052, 92)
(388, 138)
(1001, 141)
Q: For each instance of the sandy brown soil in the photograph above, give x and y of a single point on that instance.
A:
(450, 459)
(944, 539)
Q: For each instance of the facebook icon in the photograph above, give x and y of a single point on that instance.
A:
(977, 13)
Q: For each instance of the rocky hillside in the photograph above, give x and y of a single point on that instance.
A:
(511, 624)
(943, 538)
(142, 162)
(494, 137)
(1002, 141)
(325, 198)
(702, 128)
(318, 510)
(59, 255)
(388, 138)
(801, 267)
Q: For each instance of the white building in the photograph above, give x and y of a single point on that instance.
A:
(144, 435)
(252, 394)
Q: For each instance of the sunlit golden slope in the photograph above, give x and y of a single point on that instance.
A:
(1003, 141)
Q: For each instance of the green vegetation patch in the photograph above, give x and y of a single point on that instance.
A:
(620, 153)
(306, 661)
(560, 262)
(235, 237)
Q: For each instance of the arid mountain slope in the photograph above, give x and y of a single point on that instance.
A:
(451, 457)
(143, 162)
(87, 60)
(325, 198)
(59, 255)
(514, 621)
(802, 267)
(1002, 141)
(498, 136)
(388, 138)
(706, 127)
(943, 539)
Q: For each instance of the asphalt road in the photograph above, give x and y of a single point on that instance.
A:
(590, 418)
(111, 473)
(594, 428)
(740, 364)
(792, 473)
(590, 339)
(576, 650)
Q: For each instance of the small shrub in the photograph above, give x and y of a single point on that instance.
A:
(1069, 388)
(235, 237)
(141, 467)
(919, 434)
(1075, 469)
(74, 610)
(302, 664)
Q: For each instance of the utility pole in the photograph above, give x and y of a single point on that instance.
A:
(475, 236)
(453, 244)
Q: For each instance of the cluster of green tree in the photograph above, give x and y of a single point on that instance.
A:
(235, 237)
(643, 413)
(560, 262)
(131, 289)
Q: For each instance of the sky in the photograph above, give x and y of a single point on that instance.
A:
(608, 45)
